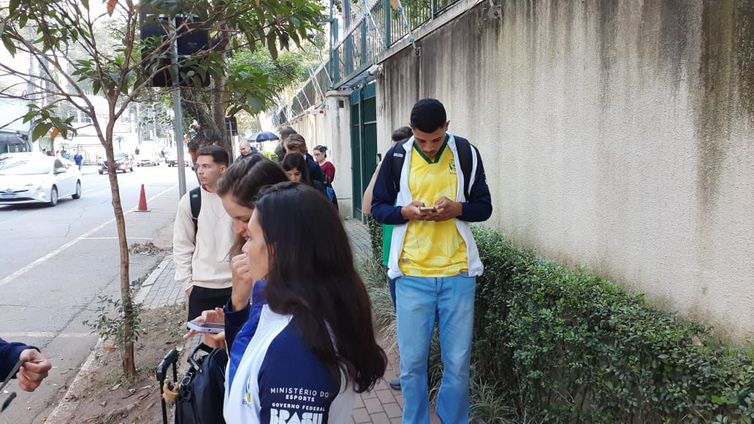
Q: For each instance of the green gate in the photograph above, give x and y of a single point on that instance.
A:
(363, 142)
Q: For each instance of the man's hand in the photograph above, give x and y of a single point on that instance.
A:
(34, 369)
(446, 209)
(411, 212)
(243, 281)
(216, 316)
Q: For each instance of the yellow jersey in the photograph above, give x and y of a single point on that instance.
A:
(433, 249)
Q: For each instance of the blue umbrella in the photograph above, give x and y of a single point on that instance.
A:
(263, 136)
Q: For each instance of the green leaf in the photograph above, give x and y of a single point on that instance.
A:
(8, 43)
(40, 130)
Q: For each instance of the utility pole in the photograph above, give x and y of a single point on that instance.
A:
(178, 110)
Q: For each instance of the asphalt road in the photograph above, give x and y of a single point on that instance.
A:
(56, 261)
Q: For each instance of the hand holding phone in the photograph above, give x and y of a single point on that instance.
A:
(427, 209)
(205, 327)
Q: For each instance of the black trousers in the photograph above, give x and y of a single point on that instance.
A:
(202, 299)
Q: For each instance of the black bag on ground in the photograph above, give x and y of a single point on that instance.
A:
(201, 392)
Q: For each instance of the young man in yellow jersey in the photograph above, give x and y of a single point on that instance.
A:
(430, 188)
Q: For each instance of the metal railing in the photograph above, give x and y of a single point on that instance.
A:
(388, 22)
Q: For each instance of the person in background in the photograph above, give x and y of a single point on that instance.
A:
(246, 150)
(296, 169)
(34, 368)
(401, 135)
(295, 143)
(320, 156)
(285, 132)
(310, 319)
(78, 159)
(193, 149)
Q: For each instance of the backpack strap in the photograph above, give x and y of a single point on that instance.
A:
(399, 156)
(195, 198)
(464, 156)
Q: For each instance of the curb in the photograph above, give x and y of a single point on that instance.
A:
(65, 405)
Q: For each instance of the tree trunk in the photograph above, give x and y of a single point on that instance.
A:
(129, 364)
(218, 113)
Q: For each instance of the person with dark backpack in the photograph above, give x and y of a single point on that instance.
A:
(430, 188)
(203, 236)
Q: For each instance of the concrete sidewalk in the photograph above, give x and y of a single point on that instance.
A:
(380, 406)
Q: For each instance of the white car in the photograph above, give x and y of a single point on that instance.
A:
(35, 178)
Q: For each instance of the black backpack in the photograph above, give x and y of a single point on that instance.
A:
(202, 390)
(464, 156)
(195, 198)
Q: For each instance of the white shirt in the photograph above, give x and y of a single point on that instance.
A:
(202, 258)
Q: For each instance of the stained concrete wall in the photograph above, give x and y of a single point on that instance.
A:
(618, 135)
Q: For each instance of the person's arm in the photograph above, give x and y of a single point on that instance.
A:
(384, 195)
(184, 243)
(234, 320)
(478, 207)
(34, 369)
(366, 198)
(9, 354)
(329, 170)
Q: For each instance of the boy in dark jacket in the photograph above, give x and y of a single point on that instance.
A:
(430, 187)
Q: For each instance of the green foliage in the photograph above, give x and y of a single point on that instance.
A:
(375, 238)
(110, 320)
(66, 39)
(255, 78)
(573, 348)
(560, 346)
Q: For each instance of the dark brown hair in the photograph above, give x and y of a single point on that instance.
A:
(244, 179)
(297, 161)
(219, 155)
(317, 282)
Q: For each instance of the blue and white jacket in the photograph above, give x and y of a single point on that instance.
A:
(272, 377)
(387, 201)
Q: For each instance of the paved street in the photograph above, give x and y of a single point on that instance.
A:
(56, 261)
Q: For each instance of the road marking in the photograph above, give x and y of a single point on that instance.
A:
(46, 334)
(9, 279)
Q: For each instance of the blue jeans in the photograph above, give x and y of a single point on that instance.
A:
(419, 300)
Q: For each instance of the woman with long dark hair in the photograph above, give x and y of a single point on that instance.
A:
(310, 335)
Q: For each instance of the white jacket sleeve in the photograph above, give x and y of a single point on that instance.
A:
(184, 243)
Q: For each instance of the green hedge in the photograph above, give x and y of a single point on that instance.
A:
(565, 346)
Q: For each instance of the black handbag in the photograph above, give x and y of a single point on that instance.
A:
(202, 390)
(200, 394)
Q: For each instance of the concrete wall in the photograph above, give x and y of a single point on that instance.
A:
(618, 135)
(330, 126)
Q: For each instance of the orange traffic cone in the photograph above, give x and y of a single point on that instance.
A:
(142, 201)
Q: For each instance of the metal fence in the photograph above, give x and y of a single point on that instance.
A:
(388, 22)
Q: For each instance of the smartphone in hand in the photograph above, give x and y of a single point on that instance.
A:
(206, 327)
(427, 209)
